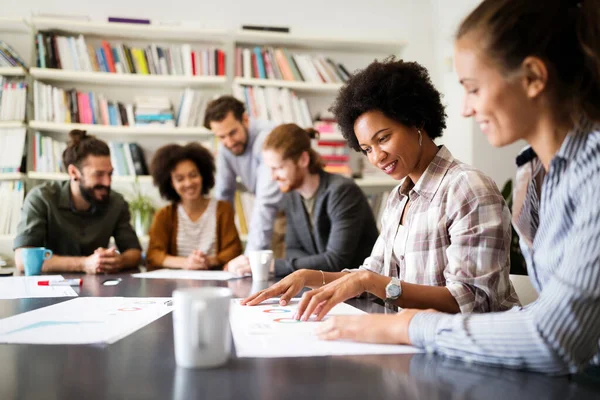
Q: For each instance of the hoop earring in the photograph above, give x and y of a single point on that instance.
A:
(420, 137)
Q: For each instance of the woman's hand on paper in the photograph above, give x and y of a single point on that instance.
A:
(287, 288)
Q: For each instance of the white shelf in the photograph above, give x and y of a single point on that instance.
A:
(59, 176)
(133, 31)
(372, 182)
(321, 43)
(107, 78)
(11, 124)
(12, 71)
(295, 85)
(11, 176)
(18, 25)
(120, 130)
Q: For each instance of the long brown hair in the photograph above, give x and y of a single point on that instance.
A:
(565, 34)
(291, 141)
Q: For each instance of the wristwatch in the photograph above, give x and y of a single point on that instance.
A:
(393, 290)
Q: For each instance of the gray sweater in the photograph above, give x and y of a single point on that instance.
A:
(343, 232)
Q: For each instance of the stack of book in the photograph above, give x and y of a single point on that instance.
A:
(13, 99)
(153, 111)
(12, 195)
(9, 57)
(12, 147)
(58, 105)
(191, 108)
(280, 63)
(127, 159)
(47, 154)
(73, 53)
(332, 147)
(280, 105)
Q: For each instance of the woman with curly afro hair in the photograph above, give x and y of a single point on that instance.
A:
(194, 231)
(445, 236)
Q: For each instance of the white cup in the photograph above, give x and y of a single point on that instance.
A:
(201, 326)
(260, 263)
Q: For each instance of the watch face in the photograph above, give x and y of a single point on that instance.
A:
(393, 291)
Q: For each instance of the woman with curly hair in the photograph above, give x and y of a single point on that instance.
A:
(445, 235)
(194, 231)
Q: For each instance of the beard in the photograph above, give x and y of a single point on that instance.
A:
(292, 184)
(87, 192)
(238, 148)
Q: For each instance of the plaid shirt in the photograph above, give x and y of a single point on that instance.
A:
(458, 236)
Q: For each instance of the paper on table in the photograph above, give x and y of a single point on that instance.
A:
(269, 331)
(22, 287)
(187, 274)
(84, 320)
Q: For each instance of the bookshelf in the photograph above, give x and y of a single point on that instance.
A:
(12, 71)
(58, 176)
(331, 88)
(353, 52)
(113, 79)
(112, 130)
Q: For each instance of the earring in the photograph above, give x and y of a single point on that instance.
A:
(420, 137)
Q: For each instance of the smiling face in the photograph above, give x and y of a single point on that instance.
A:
(232, 133)
(94, 178)
(187, 180)
(389, 145)
(288, 174)
(503, 107)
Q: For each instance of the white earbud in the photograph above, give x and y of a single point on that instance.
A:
(420, 137)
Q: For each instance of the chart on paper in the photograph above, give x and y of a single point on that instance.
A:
(24, 287)
(269, 330)
(85, 320)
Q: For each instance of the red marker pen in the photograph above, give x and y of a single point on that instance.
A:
(64, 282)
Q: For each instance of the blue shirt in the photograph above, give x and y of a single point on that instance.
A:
(256, 177)
(559, 226)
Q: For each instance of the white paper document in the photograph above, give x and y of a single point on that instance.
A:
(187, 274)
(23, 287)
(85, 320)
(270, 331)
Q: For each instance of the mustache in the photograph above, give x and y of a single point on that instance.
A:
(98, 187)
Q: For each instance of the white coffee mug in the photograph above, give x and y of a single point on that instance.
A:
(201, 326)
(260, 263)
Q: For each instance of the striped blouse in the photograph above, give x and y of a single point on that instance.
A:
(197, 235)
(559, 225)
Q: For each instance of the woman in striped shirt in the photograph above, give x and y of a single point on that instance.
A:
(531, 71)
(194, 231)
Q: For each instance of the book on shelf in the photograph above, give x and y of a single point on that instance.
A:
(127, 159)
(13, 99)
(332, 148)
(279, 105)
(191, 108)
(9, 56)
(76, 54)
(12, 195)
(153, 111)
(281, 64)
(243, 205)
(127, 20)
(47, 154)
(12, 148)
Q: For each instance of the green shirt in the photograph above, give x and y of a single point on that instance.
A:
(48, 219)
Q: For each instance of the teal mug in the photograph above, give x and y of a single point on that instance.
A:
(33, 259)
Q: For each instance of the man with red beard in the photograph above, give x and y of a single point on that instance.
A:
(76, 218)
(330, 225)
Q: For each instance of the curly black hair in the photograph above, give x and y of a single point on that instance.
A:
(166, 159)
(401, 90)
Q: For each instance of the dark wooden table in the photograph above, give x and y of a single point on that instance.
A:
(142, 366)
